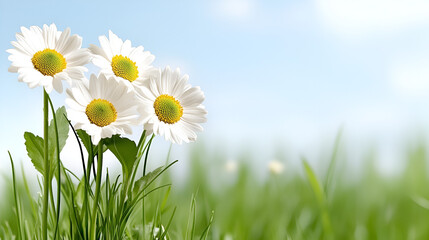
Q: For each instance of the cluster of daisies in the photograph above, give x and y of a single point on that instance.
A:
(128, 90)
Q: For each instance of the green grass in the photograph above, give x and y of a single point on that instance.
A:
(302, 203)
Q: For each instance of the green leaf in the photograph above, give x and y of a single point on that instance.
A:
(63, 131)
(34, 145)
(143, 181)
(63, 134)
(85, 138)
(80, 193)
(125, 151)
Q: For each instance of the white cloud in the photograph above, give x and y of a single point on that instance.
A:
(410, 78)
(263, 17)
(362, 17)
(235, 10)
(374, 119)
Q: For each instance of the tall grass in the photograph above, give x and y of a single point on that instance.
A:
(305, 203)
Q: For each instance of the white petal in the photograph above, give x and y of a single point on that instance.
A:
(61, 43)
(105, 45)
(115, 43)
(192, 97)
(57, 84)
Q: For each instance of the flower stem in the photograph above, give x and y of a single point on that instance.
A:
(97, 190)
(46, 176)
(147, 153)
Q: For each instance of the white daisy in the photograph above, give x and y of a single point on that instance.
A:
(231, 166)
(102, 107)
(45, 57)
(118, 58)
(276, 167)
(171, 107)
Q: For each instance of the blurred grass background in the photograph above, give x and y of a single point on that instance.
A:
(286, 204)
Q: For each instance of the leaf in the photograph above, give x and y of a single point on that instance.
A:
(80, 193)
(63, 134)
(143, 181)
(63, 131)
(34, 145)
(85, 138)
(125, 151)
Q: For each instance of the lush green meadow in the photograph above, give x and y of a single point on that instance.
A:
(301, 203)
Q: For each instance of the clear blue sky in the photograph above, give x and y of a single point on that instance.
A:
(275, 73)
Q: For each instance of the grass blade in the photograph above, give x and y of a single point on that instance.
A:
(18, 212)
(206, 231)
(320, 197)
(168, 224)
(333, 161)
(27, 190)
(193, 215)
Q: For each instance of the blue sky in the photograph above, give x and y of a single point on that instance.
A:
(275, 73)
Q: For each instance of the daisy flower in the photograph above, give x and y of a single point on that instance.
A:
(276, 167)
(45, 57)
(171, 107)
(102, 107)
(117, 58)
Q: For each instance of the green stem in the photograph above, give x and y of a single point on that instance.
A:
(57, 146)
(144, 173)
(97, 190)
(147, 153)
(46, 177)
(90, 162)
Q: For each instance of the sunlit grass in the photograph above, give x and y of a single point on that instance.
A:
(294, 204)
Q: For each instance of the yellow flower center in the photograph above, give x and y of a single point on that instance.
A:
(101, 112)
(168, 109)
(49, 62)
(125, 68)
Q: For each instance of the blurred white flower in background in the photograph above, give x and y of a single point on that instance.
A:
(231, 166)
(156, 233)
(228, 237)
(276, 167)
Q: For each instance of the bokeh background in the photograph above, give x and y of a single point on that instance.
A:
(281, 78)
